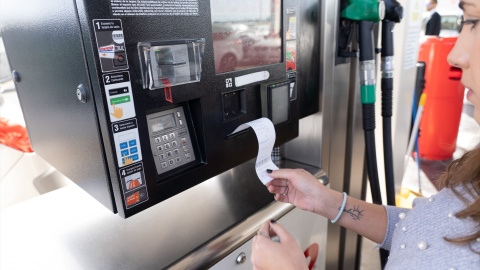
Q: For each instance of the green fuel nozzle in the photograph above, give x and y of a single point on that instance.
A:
(364, 10)
(366, 13)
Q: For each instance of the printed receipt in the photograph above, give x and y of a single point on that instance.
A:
(265, 132)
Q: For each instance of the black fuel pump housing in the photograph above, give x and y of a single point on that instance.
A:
(162, 86)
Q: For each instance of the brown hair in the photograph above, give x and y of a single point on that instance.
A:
(465, 172)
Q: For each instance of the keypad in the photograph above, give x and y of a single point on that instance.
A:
(171, 147)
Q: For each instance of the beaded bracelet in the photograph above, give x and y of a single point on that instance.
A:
(341, 208)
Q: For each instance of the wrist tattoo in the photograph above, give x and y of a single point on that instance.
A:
(354, 212)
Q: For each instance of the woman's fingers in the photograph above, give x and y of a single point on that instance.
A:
(277, 182)
(278, 189)
(280, 231)
(265, 229)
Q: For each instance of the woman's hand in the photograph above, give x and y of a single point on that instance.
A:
(298, 187)
(303, 190)
(268, 254)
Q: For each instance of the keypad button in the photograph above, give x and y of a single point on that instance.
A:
(161, 156)
(188, 156)
(185, 148)
(167, 145)
(171, 162)
(176, 151)
(165, 137)
(164, 164)
(172, 135)
(174, 144)
(184, 140)
(157, 140)
(160, 148)
(169, 154)
(177, 159)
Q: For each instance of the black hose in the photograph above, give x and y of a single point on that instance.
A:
(387, 104)
(368, 111)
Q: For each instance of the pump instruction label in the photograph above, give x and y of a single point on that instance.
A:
(110, 44)
(133, 183)
(118, 91)
(291, 42)
(154, 7)
(127, 146)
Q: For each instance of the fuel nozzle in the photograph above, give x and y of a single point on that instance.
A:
(366, 13)
(364, 10)
(393, 15)
(393, 11)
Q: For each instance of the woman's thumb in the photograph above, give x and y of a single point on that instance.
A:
(280, 231)
(281, 173)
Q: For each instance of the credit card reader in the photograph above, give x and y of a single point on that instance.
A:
(170, 139)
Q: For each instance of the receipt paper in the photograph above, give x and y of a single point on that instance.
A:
(265, 132)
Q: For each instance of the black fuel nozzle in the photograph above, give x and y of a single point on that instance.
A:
(393, 15)
(393, 11)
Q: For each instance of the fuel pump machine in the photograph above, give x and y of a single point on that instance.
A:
(135, 100)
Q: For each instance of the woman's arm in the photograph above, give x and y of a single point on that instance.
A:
(306, 192)
(366, 219)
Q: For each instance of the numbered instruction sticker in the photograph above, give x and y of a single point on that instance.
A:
(125, 135)
(133, 184)
(118, 91)
(110, 44)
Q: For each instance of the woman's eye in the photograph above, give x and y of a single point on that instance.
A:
(468, 22)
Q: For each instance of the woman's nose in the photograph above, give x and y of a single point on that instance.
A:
(458, 57)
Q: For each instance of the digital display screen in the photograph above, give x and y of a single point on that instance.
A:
(246, 33)
(163, 122)
(280, 103)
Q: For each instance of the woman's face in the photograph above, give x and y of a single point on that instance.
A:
(466, 53)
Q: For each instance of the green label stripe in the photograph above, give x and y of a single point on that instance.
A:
(119, 100)
(367, 93)
(289, 55)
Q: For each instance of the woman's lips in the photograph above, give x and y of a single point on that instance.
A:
(469, 93)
